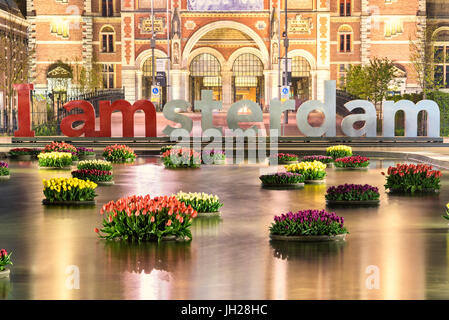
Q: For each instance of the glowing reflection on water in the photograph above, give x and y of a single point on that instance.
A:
(230, 257)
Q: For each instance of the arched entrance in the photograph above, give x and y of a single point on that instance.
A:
(205, 74)
(59, 77)
(301, 88)
(248, 78)
(147, 82)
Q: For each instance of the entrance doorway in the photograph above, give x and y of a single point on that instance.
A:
(248, 79)
(205, 74)
(301, 88)
(147, 82)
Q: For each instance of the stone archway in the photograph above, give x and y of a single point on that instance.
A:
(219, 25)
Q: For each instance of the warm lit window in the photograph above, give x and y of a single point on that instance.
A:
(107, 39)
(106, 8)
(345, 8)
(345, 39)
(108, 76)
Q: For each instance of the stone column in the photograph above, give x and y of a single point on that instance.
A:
(271, 85)
(226, 83)
(129, 82)
(139, 75)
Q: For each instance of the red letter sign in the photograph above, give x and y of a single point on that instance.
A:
(88, 117)
(24, 121)
(128, 111)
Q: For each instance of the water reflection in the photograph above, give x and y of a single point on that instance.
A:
(145, 257)
(308, 251)
(230, 256)
(5, 288)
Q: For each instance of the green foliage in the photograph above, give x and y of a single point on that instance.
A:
(4, 171)
(372, 81)
(45, 129)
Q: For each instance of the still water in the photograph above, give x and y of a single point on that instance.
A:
(404, 241)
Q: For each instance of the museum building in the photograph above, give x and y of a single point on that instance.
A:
(233, 47)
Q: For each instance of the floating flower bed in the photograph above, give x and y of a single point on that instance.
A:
(4, 171)
(213, 156)
(140, 218)
(69, 191)
(98, 171)
(5, 260)
(284, 158)
(62, 147)
(308, 225)
(181, 158)
(55, 160)
(24, 154)
(353, 194)
(313, 172)
(97, 176)
(411, 178)
(282, 180)
(95, 165)
(323, 159)
(85, 153)
(119, 153)
(203, 203)
(339, 151)
(354, 162)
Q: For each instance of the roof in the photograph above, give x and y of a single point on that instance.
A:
(11, 7)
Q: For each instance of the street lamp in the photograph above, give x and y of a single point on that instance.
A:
(286, 58)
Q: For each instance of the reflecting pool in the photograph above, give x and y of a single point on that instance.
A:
(404, 241)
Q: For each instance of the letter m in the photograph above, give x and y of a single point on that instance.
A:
(411, 112)
(128, 111)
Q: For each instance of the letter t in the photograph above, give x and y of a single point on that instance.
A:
(206, 105)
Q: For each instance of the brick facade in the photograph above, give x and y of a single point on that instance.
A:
(376, 28)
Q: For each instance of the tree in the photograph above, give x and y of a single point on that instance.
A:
(86, 78)
(372, 81)
(422, 56)
(14, 63)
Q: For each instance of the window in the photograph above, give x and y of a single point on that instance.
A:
(106, 8)
(344, 39)
(107, 39)
(345, 8)
(341, 74)
(441, 57)
(108, 76)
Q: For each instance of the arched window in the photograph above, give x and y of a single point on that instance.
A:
(345, 8)
(107, 8)
(147, 68)
(345, 35)
(441, 57)
(107, 39)
(205, 74)
(248, 78)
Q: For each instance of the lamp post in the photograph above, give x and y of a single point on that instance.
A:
(286, 57)
(153, 44)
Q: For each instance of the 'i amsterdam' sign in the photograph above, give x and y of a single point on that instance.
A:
(207, 105)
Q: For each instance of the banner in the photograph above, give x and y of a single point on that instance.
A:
(224, 5)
